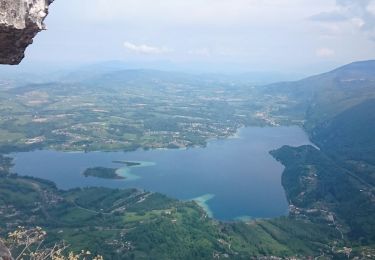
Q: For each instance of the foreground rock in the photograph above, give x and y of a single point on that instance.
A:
(4, 252)
(20, 21)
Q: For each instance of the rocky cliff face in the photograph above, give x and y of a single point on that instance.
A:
(20, 21)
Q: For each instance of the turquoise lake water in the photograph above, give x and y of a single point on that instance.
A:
(231, 178)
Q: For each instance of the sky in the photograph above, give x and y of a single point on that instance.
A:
(301, 36)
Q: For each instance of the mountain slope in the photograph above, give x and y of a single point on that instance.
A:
(349, 134)
(326, 191)
(324, 96)
(336, 182)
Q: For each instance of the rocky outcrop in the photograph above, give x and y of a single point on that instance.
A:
(4, 252)
(20, 21)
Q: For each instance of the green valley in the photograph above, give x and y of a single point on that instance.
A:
(330, 187)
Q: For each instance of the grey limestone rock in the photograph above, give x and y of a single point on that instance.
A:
(20, 21)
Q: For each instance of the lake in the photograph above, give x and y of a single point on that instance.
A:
(232, 178)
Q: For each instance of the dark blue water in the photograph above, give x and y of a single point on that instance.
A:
(237, 175)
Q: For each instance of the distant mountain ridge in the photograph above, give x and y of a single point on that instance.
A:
(364, 69)
(324, 96)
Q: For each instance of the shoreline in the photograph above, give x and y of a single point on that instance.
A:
(202, 202)
(128, 174)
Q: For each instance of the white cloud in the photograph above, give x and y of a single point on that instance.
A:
(371, 8)
(358, 13)
(145, 49)
(325, 52)
(358, 22)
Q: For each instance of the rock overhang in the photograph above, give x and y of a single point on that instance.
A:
(20, 22)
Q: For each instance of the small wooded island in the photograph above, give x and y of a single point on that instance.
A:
(102, 172)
